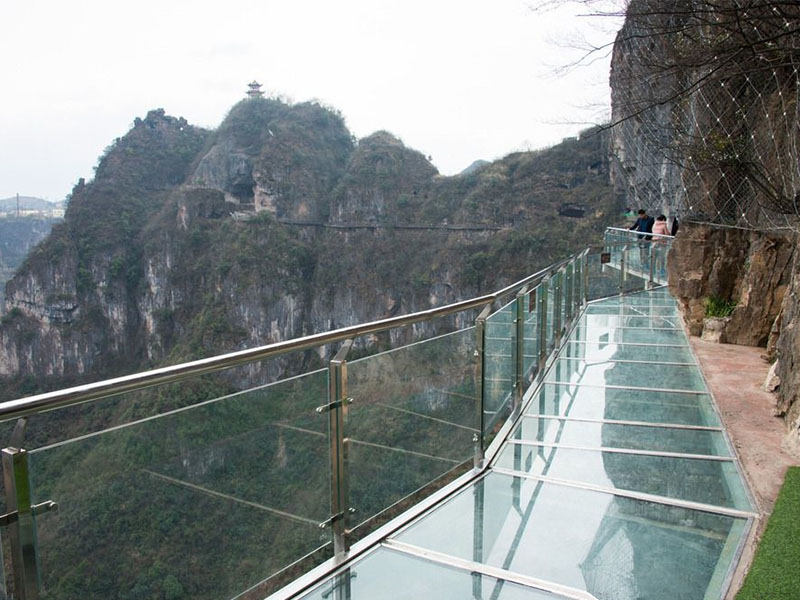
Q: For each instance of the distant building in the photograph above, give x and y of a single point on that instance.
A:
(255, 89)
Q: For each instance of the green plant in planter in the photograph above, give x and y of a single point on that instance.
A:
(719, 307)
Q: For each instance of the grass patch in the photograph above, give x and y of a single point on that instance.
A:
(774, 574)
(718, 307)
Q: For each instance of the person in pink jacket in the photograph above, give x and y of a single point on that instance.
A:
(660, 229)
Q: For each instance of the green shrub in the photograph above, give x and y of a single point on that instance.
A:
(719, 307)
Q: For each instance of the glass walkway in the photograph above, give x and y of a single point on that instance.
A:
(553, 439)
(616, 482)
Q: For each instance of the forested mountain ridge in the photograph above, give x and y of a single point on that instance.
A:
(190, 242)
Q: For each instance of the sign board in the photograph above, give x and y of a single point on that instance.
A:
(605, 258)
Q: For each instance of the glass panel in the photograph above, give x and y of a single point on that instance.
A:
(206, 501)
(551, 312)
(577, 286)
(601, 348)
(498, 366)
(386, 574)
(645, 375)
(412, 420)
(613, 547)
(624, 405)
(708, 481)
(603, 279)
(635, 437)
(531, 333)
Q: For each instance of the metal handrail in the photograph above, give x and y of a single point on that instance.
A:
(30, 405)
(635, 232)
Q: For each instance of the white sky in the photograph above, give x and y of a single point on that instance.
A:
(455, 79)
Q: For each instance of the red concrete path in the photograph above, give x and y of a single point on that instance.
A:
(736, 375)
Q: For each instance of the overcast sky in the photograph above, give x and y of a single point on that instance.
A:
(457, 80)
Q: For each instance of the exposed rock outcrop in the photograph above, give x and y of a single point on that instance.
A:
(750, 269)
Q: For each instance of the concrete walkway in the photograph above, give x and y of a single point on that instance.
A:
(735, 375)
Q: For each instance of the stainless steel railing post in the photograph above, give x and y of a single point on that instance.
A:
(651, 283)
(585, 269)
(569, 309)
(339, 450)
(622, 262)
(542, 324)
(518, 349)
(558, 300)
(21, 526)
(480, 354)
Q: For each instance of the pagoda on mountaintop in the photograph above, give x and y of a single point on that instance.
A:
(255, 89)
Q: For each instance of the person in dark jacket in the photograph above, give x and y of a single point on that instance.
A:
(643, 224)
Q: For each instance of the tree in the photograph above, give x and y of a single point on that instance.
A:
(705, 103)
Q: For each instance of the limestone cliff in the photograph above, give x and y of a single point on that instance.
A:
(190, 243)
(18, 235)
(705, 128)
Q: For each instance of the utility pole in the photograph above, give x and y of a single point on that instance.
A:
(18, 206)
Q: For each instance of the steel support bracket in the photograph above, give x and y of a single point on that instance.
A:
(36, 510)
(21, 526)
(333, 405)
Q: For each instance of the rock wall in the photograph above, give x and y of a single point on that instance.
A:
(749, 268)
(787, 368)
(704, 131)
(17, 236)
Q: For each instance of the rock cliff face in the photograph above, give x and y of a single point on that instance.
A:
(190, 243)
(752, 268)
(703, 132)
(17, 237)
(788, 363)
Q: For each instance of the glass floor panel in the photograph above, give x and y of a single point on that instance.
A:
(631, 320)
(615, 548)
(632, 309)
(609, 334)
(634, 437)
(392, 575)
(603, 349)
(635, 300)
(626, 374)
(587, 402)
(708, 481)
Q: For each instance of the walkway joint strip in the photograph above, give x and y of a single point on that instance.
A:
(483, 569)
(653, 498)
(664, 453)
(622, 422)
(617, 327)
(615, 343)
(630, 387)
(636, 362)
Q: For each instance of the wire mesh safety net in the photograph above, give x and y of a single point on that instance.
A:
(706, 113)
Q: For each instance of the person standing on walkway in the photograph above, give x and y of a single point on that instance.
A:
(660, 247)
(660, 227)
(643, 224)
